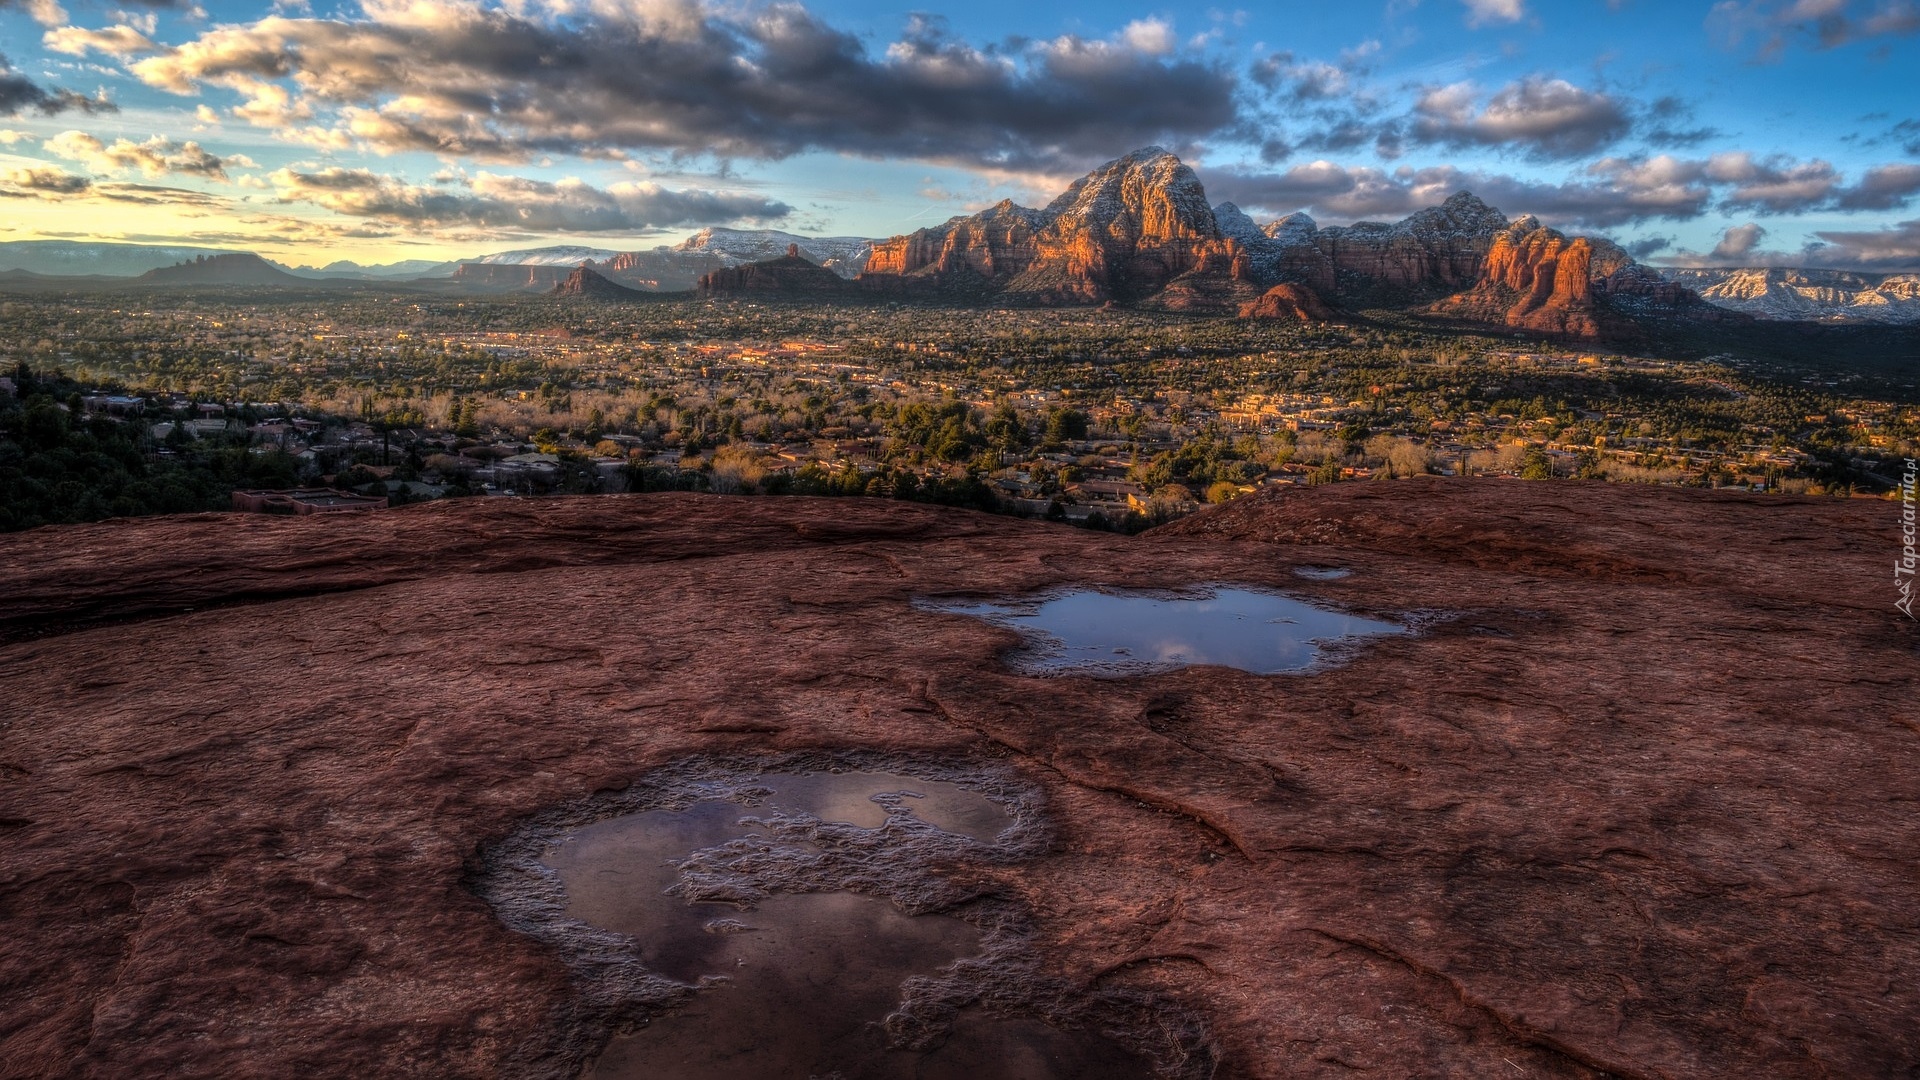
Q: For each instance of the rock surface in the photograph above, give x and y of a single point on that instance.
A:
(1636, 801)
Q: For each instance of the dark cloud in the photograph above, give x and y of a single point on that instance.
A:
(1774, 185)
(19, 94)
(1893, 250)
(1545, 118)
(1648, 245)
(1541, 118)
(157, 156)
(1664, 125)
(1887, 187)
(155, 195)
(1737, 244)
(758, 82)
(43, 183)
(1907, 133)
(491, 201)
(1611, 192)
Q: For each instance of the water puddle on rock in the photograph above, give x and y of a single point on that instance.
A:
(802, 983)
(1137, 633)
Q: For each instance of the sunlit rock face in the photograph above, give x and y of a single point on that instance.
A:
(1139, 230)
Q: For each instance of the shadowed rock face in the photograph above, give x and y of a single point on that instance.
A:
(1634, 802)
(587, 283)
(789, 274)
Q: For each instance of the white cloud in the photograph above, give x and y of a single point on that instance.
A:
(1482, 12)
(1153, 37)
(155, 157)
(112, 40)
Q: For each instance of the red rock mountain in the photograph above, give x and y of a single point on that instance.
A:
(1126, 231)
(1139, 230)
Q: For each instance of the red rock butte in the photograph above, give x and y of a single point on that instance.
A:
(1636, 801)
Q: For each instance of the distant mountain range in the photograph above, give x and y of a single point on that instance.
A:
(1138, 230)
(1808, 295)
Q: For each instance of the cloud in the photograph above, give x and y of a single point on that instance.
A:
(1774, 25)
(514, 81)
(1737, 243)
(43, 181)
(1648, 245)
(1893, 249)
(44, 12)
(157, 156)
(53, 183)
(1907, 132)
(1149, 37)
(1890, 250)
(1773, 186)
(1886, 187)
(19, 94)
(112, 40)
(1482, 12)
(1548, 118)
(494, 201)
(1611, 192)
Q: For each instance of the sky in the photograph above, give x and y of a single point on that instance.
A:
(1737, 132)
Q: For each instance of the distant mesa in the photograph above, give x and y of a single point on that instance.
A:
(790, 274)
(584, 282)
(512, 277)
(236, 268)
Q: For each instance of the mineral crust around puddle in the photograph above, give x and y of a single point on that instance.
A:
(1638, 805)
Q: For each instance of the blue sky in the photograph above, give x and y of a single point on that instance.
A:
(1740, 132)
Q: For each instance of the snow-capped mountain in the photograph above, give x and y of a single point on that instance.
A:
(1807, 295)
(560, 255)
(844, 255)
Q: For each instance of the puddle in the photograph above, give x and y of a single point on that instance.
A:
(795, 922)
(1322, 573)
(1137, 633)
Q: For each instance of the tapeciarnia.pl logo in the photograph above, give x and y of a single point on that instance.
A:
(1903, 568)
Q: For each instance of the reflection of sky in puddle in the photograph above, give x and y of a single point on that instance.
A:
(807, 977)
(1133, 633)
